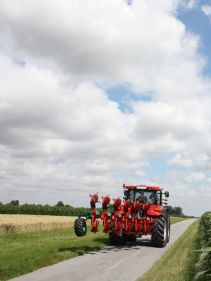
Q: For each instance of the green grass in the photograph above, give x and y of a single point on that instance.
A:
(23, 253)
(178, 263)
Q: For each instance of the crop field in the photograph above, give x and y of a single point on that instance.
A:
(203, 265)
(33, 223)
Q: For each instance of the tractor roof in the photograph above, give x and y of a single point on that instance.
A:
(148, 187)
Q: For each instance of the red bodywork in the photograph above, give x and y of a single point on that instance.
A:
(128, 215)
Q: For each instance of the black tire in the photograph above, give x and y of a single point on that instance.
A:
(116, 240)
(159, 232)
(130, 238)
(80, 227)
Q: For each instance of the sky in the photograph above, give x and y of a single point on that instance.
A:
(94, 94)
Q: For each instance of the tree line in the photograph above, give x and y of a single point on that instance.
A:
(60, 209)
(175, 211)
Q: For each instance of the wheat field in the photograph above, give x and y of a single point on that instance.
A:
(33, 223)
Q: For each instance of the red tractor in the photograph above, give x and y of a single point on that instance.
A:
(141, 212)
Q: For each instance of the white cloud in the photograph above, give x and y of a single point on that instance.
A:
(206, 9)
(60, 132)
(180, 161)
(191, 4)
(56, 133)
(195, 177)
(108, 41)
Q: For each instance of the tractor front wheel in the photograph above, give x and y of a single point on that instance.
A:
(160, 232)
(80, 227)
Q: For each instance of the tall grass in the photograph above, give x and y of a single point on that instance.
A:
(32, 223)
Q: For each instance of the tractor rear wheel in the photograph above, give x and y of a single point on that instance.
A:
(160, 232)
(80, 227)
(116, 240)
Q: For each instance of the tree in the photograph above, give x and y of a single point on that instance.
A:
(178, 211)
(60, 204)
(14, 202)
(175, 211)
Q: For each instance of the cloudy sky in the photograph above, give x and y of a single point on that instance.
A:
(97, 93)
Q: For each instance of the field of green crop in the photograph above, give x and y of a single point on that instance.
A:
(203, 266)
(32, 209)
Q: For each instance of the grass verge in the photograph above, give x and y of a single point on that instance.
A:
(178, 263)
(176, 219)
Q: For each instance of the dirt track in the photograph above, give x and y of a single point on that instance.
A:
(125, 263)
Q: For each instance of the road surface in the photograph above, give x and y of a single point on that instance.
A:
(125, 263)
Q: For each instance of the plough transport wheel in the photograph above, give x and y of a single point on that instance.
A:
(80, 227)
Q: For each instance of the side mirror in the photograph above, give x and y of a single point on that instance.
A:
(166, 194)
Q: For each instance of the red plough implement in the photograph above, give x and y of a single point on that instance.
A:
(142, 211)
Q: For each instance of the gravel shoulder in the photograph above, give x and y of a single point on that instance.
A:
(125, 263)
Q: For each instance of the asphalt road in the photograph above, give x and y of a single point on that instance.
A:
(125, 263)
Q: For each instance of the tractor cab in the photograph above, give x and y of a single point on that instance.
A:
(144, 194)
